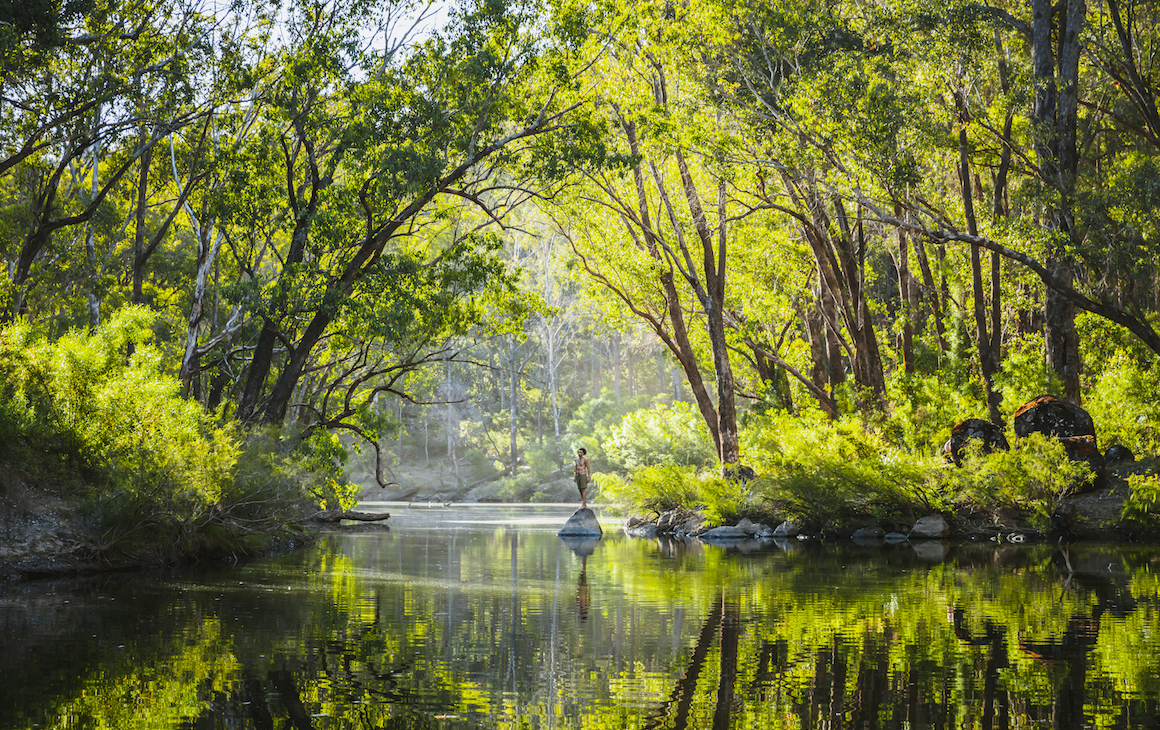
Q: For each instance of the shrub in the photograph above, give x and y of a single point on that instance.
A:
(832, 474)
(653, 488)
(1143, 502)
(1033, 477)
(665, 435)
(1123, 405)
(116, 431)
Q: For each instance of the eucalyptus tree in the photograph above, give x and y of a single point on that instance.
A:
(379, 155)
(1052, 100)
(67, 111)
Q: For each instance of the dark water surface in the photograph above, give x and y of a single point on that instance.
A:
(481, 617)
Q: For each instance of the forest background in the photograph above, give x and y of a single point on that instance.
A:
(261, 255)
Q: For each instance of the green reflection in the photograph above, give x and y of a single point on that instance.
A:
(511, 628)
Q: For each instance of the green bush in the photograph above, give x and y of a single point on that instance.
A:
(113, 430)
(593, 421)
(832, 474)
(1123, 405)
(121, 425)
(1143, 502)
(664, 435)
(653, 488)
(1032, 477)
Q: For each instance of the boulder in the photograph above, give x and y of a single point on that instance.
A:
(582, 523)
(1052, 417)
(1069, 423)
(647, 531)
(724, 533)
(634, 522)
(930, 527)
(1118, 453)
(974, 429)
(894, 538)
(787, 529)
(746, 524)
(690, 526)
(867, 534)
(763, 531)
(671, 520)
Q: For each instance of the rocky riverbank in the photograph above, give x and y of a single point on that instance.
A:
(1094, 515)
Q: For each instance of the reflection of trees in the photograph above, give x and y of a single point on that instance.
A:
(486, 631)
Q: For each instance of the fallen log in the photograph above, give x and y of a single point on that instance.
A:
(357, 516)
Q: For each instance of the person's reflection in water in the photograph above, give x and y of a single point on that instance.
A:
(583, 593)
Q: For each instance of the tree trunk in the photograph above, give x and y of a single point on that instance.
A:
(982, 339)
(904, 299)
(1055, 119)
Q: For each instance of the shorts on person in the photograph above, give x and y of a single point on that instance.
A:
(582, 482)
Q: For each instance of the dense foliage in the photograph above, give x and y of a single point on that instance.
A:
(805, 237)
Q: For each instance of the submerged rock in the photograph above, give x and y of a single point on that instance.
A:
(894, 538)
(931, 526)
(867, 534)
(582, 523)
(582, 546)
(932, 551)
(644, 530)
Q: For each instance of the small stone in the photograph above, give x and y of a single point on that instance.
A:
(582, 523)
(931, 526)
(787, 529)
(763, 530)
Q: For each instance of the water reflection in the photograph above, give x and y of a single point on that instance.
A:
(485, 619)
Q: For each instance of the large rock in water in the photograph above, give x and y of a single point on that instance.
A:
(582, 523)
(931, 526)
(976, 429)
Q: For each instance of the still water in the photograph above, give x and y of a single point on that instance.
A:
(480, 617)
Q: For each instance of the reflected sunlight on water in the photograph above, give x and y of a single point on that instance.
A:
(480, 617)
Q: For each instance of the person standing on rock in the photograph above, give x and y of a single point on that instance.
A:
(583, 476)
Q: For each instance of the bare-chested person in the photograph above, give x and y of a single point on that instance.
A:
(583, 476)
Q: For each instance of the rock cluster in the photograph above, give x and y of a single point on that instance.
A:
(1054, 418)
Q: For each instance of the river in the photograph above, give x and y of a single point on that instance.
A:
(480, 617)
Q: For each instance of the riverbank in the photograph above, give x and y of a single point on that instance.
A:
(44, 533)
(1096, 515)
